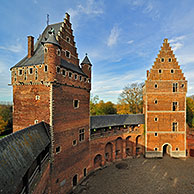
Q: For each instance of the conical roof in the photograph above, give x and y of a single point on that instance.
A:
(86, 60)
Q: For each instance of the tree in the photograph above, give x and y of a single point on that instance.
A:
(190, 112)
(101, 108)
(5, 118)
(132, 98)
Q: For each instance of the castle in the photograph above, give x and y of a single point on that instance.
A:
(56, 143)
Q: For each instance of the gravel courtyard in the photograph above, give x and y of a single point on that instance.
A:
(142, 176)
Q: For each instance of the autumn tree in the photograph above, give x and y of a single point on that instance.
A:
(190, 112)
(131, 98)
(5, 118)
(100, 107)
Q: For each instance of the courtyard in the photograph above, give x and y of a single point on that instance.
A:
(142, 176)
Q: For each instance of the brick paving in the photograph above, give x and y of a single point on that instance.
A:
(142, 176)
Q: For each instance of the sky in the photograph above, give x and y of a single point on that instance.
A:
(121, 37)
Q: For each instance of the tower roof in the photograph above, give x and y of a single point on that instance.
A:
(86, 60)
(51, 38)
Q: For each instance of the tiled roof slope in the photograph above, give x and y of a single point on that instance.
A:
(17, 153)
(116, 120)
(38, 57)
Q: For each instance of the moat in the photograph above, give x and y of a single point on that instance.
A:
(140, 176)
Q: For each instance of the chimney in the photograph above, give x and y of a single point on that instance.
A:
(67, 16)
(148, 73)
(30, 46)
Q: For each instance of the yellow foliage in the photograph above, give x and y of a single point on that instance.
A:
(3, 124)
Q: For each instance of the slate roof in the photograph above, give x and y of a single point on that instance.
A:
(116, 120)
(38, 57)
(86, 60)
(17, 153)
(72, 67)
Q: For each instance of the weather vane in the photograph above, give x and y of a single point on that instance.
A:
(47, 19)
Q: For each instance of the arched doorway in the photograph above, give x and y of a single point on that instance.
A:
(129, 146)
(98, 160)
(119, 148)
(138, 146)
(75, 180)
(166, 148)
(108, 152)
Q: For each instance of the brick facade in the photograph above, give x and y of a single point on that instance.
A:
(165, 106)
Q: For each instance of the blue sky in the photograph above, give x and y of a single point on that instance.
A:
(122, 37)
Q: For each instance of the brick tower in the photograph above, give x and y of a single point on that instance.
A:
(49, 85)
(165, 106)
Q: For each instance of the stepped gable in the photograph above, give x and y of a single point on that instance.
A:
(165, 66)
(116, 120)
(18, 152)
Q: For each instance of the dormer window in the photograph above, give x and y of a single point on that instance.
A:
(67, 54)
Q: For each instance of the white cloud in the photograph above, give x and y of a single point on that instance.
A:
(177, 42)
(178, 38)
(176, 46)
(130, 41)
(13, 48)
(113, 37)
(90, 8)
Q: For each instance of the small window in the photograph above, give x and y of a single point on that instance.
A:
(75, 180)
(30, 70)
(88, 80)
(36, 121)
(160, 71)
(89, 68)
(70, 74)
(175, 86)
(172, 71)
(74, 142)
(75, 76)
(177, 149)
(85, 172)
(58, 69)
(58, 52)
(58, 149)
(20, 72)
(156, 149)
(84, 79)
(155, 119)
(174, 126)
(45, 50)
(155, 101)
(174, 106)
(162, 60)
(81, 135)
(67, 53)
(182, 85)
(156, 134)
(37, 97)
(156, 85)
(68, 39)
(80, 78)
(169, 60)
(63, 72)
(45, 68)
(76, 103)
